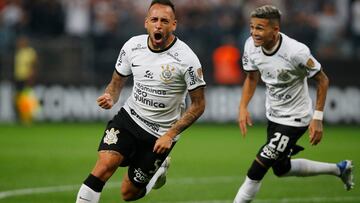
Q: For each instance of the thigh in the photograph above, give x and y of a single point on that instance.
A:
(144, 164)
(118, 138)
(280, 140)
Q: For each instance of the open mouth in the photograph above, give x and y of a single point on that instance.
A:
(158, 36)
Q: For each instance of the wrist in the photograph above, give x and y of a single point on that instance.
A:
(318, 115)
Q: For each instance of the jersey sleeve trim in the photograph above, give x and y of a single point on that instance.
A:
(200, 86)
(122, 75)
(250, 71)
(316, 73)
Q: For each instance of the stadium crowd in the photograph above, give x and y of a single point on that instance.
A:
(329, 27)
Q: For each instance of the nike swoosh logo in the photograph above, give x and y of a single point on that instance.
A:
(264, 155)
(84, 199)
(134, 65)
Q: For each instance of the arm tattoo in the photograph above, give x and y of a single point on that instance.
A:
(115, 86)
(195, 110)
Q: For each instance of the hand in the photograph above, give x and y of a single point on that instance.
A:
(162, 144)
(315, 131)
(105, 101)
(244, 119)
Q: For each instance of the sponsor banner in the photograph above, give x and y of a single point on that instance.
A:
(60, 103)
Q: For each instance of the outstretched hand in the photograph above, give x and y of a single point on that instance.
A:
(105, 101)
(315, 131)
(244, 120)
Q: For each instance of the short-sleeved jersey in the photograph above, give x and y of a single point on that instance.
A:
(161, 82)
(285, 74)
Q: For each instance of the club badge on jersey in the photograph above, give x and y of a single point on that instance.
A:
(111, 136)
(167, 73)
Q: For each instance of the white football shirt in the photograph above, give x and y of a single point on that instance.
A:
(161, 81)
(285, 74)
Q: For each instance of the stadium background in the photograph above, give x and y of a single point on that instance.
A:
(77, 43)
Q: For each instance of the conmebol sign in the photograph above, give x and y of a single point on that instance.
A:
(60, 103)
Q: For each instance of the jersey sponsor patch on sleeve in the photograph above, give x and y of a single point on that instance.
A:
(310, 63)
(200, 73)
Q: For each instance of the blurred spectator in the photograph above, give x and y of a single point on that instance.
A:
(24, 64)
(226, 61)
(77, 17)
(11, 22)
(330, 28)
(106, 13)
(24, 74)
(12, 14)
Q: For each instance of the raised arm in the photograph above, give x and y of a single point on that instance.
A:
(195, 110)
(248, 90)
(316, 126)
(112, 91)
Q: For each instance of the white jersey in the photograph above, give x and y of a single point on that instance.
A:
(285, 74)
(161, 81)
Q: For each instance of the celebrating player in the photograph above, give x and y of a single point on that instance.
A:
(146, 128)
(284, 65)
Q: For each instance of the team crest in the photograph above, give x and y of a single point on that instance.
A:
(283, 75)
(111, 136)
(167, 73)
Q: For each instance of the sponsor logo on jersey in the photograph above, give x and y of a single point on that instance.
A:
(121, 55)
(141, 93)
(138, 47)
(279, 96)
(111, 136)
(268, 74)
(245, 59)
(149, 74)
(269, 153)
(141, 96)
(140, 176)
(150, 89)
(167, 73)
(153, 126)
(195, 76)
(174, 56)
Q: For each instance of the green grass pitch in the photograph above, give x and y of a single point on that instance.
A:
(48, 162)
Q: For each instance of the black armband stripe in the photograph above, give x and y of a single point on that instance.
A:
(316, 73)
(200, 86)
(122, 74)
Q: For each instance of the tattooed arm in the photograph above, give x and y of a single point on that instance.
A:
(112, 91)
(195, 110)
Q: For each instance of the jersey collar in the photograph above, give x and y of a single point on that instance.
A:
(274, 52)
(162, 50)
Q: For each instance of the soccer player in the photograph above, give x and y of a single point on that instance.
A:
(284, 65)
(146, 128)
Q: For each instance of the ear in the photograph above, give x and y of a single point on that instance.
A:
(145, 22)
(277, 28)
(174, 25)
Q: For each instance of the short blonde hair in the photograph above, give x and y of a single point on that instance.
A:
(268, 12)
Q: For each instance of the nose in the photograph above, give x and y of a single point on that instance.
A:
(253, 32)
(158, 24)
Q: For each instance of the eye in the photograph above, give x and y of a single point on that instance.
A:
(165, 21)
